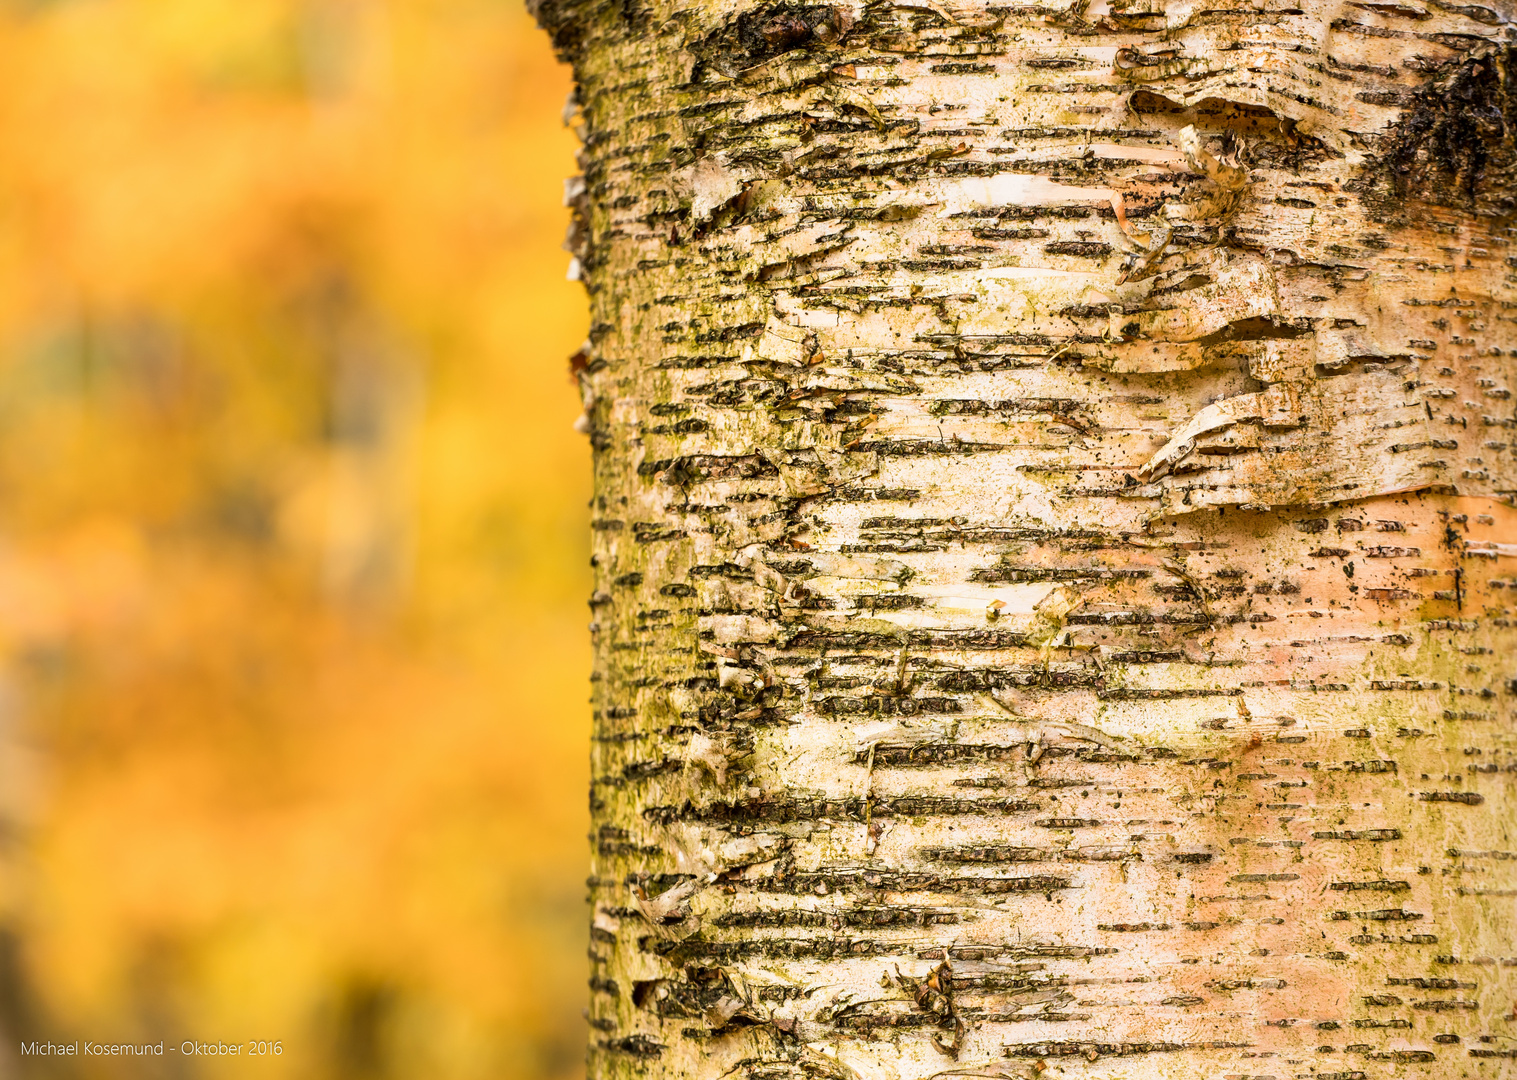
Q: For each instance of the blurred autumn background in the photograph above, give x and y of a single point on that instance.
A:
(292, 539)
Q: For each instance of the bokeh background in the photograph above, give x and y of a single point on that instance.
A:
(293, 543)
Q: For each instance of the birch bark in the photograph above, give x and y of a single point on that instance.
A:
(1054, 536)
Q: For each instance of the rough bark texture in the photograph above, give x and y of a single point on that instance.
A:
(1054, 537)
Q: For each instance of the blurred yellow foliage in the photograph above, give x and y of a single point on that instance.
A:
(292, 539)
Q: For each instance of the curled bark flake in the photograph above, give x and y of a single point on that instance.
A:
(669, 912)
(726, 1009)
(934, 996)
(1282, 401)
(1146, 264)
(1049, 616)
(711, 185)
(1224, 170)
(894, 734)
(995, 1070)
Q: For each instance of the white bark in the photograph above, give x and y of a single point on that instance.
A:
(1054, 537)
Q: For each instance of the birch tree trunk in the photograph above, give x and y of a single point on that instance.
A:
(1054, 537)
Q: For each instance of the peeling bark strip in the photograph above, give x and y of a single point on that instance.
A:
(1054, 537)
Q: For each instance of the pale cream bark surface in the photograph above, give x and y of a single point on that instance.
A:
(1055, 541)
